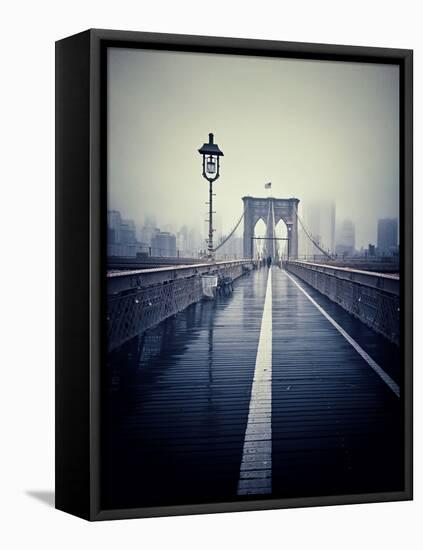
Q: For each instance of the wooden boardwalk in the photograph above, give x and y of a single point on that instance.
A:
(178, 402)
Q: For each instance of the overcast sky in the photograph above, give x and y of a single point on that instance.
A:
(315, 129)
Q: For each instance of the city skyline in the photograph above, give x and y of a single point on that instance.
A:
(315, 129)
(340, 235)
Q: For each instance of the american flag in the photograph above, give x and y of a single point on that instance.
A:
(268, 185)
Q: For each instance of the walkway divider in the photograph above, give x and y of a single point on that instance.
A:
(255, 477)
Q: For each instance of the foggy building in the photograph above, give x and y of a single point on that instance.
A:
(345, 243)
(127, 232)
(319, 220)
(237, 250)
(195, 242)
(121, 236)
(331, 226)
(188, 242)
(163, 243)
(148, 230)
(182, 241)
(114, 222)
(168, 228)
(387, 236)
(232, 249)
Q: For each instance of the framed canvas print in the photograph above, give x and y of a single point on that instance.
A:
(234, 274)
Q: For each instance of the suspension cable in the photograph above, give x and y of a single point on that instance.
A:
(322, 250)
(270, 212)
(230, 234)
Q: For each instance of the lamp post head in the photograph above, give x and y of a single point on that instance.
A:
(210, 148)
(211, 153)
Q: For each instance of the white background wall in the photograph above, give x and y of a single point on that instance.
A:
(29, 29)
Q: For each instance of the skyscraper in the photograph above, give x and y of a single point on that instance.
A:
(163, 244)
(121, 236)
(387, 236)
(319, 219)
(127, 232)
(114, 222)
(345, 242)
(148, 230)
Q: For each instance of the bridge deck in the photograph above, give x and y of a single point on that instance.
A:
(180, 401)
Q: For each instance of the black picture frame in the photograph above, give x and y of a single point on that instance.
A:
(81, 244)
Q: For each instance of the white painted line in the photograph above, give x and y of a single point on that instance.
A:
(255, 476)
(385, 377)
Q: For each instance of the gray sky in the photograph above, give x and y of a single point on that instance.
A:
(315, 129)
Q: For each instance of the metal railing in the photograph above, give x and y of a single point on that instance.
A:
(148, 297)
(371, 297)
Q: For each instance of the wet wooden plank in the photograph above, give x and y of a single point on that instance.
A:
(336, 406)
(179, 403)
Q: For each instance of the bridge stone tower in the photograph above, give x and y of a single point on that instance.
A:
(281, 209)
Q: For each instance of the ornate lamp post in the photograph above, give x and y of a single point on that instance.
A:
(211, 171)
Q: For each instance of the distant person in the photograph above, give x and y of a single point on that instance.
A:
(269, 261)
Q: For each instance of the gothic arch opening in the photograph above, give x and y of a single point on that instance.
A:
(259, 244)
(281, 232)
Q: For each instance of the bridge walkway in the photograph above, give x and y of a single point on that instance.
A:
(238, 399)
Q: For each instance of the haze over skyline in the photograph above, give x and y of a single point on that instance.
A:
(315, 129)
